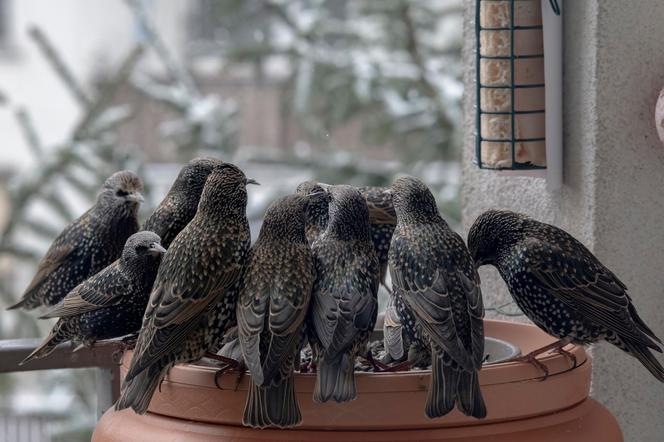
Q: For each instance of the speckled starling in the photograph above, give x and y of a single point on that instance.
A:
(109, 304)
(317, 208)
(437, 293)
(88, 244)
(344, 304)
(271, 311)
(561, 286)
(193, 292)
(383, 220)
(180, 203)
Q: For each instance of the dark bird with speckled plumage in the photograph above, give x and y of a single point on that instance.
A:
(193, 300)
(344, 300)
(88, 244)
(561, 286)
(180, 203)
(271, 311)
(438, 297)
(109, 304)
(316, 212)
(382, 219)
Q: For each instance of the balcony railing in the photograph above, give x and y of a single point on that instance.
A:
(105, 356)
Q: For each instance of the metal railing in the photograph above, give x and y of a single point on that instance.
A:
(105, 356)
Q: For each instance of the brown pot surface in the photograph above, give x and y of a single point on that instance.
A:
(387, 401)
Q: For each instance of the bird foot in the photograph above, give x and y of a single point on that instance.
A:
(556, 347)
(238, 367)
(378, 366)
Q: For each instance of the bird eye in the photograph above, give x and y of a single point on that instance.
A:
(122, 193)
(141, 249)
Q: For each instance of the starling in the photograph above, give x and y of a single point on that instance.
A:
(271, 310)
(383, 220)
(180, 203)
(437, 294)
(193, 292)
(109, 304)
(561, 286)
(88, 244)
(344, 299)
(316, 209)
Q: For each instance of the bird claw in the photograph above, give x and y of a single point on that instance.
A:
(118, 355)
(531, 358)
(238, 367)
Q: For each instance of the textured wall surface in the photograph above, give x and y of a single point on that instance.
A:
(613, 194)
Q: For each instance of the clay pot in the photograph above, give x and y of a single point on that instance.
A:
(389, 407)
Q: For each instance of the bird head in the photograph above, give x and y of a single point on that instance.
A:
(285, 219)
(225, 190)
(122, 190)
(413, 201)
(143, 246)
(349, 216)
(491, 232)
(193, 175)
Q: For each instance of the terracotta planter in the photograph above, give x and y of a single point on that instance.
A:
(389, 407)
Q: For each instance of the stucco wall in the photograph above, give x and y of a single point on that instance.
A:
(613, 193)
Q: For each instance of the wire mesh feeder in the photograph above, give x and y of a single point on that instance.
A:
(510, 84)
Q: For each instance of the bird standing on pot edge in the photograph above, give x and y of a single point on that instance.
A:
(437, 293)
(561, 286)
(344, 301)
(273, 303)
(193, 299)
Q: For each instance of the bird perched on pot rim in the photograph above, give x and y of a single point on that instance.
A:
(344, 305)
(109, 304)
(87, 244)
(561, 286)
(194, 287)
(271, 310)
(437, 293)
(180, 203)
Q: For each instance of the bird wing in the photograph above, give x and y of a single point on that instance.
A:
(381, 208)
(164, 221)
(57, 255)
(427, 281)
(101, 290)
(344, 302)
(280, 303)
(581, 282)
(176, 308)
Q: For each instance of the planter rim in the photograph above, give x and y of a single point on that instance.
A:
(512, 390)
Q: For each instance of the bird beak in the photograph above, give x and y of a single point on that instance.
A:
(135, 197)
(251, 181)
(388, 191)
(325, 187)
(156, 249)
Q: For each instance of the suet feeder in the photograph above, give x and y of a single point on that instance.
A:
(519, 87)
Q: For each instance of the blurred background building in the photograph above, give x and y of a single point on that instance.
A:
(345, 91)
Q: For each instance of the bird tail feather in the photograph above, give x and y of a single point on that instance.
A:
(137, 393)
(58, 335)
(442, 389)
(23, 303)
(335, 379)
(469, 395)
(272, 406)
(645, 356)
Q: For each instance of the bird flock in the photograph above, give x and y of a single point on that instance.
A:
(190, 281)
